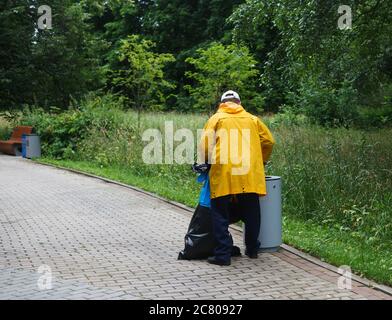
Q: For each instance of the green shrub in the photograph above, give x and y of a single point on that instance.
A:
(326, 105)
(5, 128)
(375, 117)
(288, 117)
(61, 132)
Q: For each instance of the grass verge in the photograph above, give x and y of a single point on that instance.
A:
(330, 245)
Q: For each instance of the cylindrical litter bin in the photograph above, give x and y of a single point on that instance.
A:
(33, 146)
(270, 236)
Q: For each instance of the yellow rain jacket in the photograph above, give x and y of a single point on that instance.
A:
(237, 144)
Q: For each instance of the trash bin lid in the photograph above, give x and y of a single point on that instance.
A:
(271, 178)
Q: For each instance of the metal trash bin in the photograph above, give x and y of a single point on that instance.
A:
(32, 145)
(270, 236)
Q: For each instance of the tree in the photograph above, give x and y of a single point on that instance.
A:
(141, 76)
(67, 57)
(46, 67)
(177, 25)
(16, 30)
(306, 60)
(181, 27)
(219, 68)
(253, 26)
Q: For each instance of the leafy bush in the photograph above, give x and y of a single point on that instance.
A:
(326, 105)
(288, 117)
(61, 132)
(375, 117)
(5, 128)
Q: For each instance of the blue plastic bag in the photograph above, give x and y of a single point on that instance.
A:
(205, 194)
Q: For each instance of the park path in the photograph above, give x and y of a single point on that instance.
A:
(103, 241)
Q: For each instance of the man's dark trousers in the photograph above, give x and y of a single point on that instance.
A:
(249, 206)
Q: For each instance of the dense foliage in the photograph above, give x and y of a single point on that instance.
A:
(46, 67)
(303, 61)
(308, 62)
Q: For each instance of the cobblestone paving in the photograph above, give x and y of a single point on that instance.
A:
(104, 241)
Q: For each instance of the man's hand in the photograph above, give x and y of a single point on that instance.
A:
(201, 168)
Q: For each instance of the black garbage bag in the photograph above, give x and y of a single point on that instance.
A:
(199, 240)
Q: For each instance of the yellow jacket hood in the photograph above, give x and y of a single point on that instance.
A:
(230, 107)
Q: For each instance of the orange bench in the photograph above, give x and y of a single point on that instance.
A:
(13, 146)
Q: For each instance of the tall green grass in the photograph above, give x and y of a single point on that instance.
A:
(338, 178)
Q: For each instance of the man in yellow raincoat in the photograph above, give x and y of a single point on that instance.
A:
(237, 145)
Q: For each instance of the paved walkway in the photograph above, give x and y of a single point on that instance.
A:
(104, 241)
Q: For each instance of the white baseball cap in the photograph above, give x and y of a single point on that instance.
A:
(230, 95)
